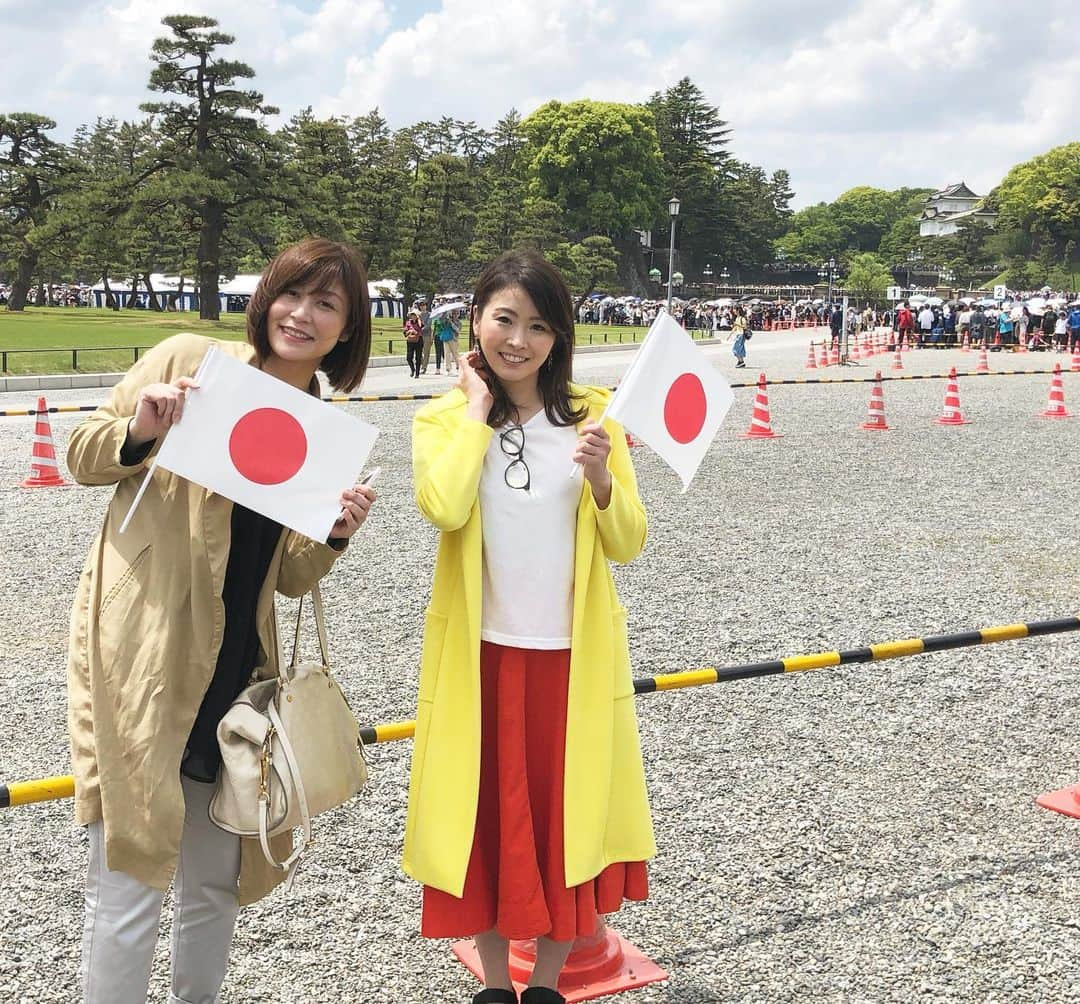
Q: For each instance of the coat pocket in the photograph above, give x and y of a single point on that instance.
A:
(119, 625)
(435, 626)
(620, 654)
(124, 583)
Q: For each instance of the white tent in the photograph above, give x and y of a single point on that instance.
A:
(234, 293)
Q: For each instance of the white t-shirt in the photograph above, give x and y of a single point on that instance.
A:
(528, 599)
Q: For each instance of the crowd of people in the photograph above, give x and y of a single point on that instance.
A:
(1038, 324)
(61, 295)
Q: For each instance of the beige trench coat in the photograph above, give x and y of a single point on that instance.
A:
(146, 628)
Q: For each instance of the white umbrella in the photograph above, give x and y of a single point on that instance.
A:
(935, 301)
(1037, 305)
(446, 308)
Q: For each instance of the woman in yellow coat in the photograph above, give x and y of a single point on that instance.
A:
(528, 814)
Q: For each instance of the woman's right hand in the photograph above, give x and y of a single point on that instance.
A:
(159, 407)
(472, 382)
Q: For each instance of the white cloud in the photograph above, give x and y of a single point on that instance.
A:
(879, 92)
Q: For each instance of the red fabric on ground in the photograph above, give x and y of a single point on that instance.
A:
(516, 880)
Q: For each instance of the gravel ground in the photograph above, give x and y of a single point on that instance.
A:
(865, 833)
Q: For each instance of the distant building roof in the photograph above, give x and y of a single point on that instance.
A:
(957, 191)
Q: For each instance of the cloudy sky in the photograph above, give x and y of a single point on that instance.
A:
(840, 92)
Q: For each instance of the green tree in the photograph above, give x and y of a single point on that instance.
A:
(813, 235)
(693, 140)
(599, 161)
(220, 160)
(1039, 206)
(35, 172)
(760, 215)
(901, 241)
(586, 265)
(867, 277)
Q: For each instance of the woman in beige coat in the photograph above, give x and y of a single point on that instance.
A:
(172, 619)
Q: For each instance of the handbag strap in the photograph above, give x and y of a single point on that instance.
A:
(320, 626)
(301, 795)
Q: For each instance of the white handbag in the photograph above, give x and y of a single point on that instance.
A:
(290, 749)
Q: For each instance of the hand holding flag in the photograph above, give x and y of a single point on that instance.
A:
(265, 445)
(672, 399)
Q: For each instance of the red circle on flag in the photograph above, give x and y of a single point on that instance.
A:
(268, 446)
(685, 408)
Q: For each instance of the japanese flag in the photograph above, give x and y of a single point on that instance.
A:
(268, 446)
(672, 398)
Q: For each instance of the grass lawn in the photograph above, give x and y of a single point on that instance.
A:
(106, 340)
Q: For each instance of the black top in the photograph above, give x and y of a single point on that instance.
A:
(254, 538)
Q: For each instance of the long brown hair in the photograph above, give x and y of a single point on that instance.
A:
(320, 263)
(543, 284)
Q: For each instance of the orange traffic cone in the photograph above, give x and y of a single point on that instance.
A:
(1022, 344)
(1055, 408)
(599, 964)
(965, 345)
(1064, 800)
(823, 358)
(43, 469)
(952, 414)
(875, 418)
(760, 422)
(1074, 366)
(811, 364)
(834, 356)
(631, 441)
(983, 365)
(855, 355)
(898, 362)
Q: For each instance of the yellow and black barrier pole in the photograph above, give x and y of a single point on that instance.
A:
(50, 788)
(61, 409)
(871, 653)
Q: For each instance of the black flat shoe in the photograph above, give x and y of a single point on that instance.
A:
(542, 995)
(495, 995)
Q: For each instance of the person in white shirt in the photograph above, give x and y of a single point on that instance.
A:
(926, 322)
(527, 817)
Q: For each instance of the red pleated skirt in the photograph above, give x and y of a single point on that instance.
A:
(515, 883)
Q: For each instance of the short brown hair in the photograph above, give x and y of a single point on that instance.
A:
(318, 262)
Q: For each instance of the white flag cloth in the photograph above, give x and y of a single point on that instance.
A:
(268, 446)
(672, 399)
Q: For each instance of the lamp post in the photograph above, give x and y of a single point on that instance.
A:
(828, 270)
(673, 212)
(912, 258)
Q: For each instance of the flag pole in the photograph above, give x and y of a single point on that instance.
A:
(624, 381)
(153, 465)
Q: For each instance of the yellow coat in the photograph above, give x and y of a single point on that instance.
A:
(606, 809)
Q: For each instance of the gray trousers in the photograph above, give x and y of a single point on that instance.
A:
(120, 926)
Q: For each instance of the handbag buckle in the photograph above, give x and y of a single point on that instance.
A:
(264, 762)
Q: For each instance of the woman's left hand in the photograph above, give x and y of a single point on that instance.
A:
(356, 503)
(593, 448)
